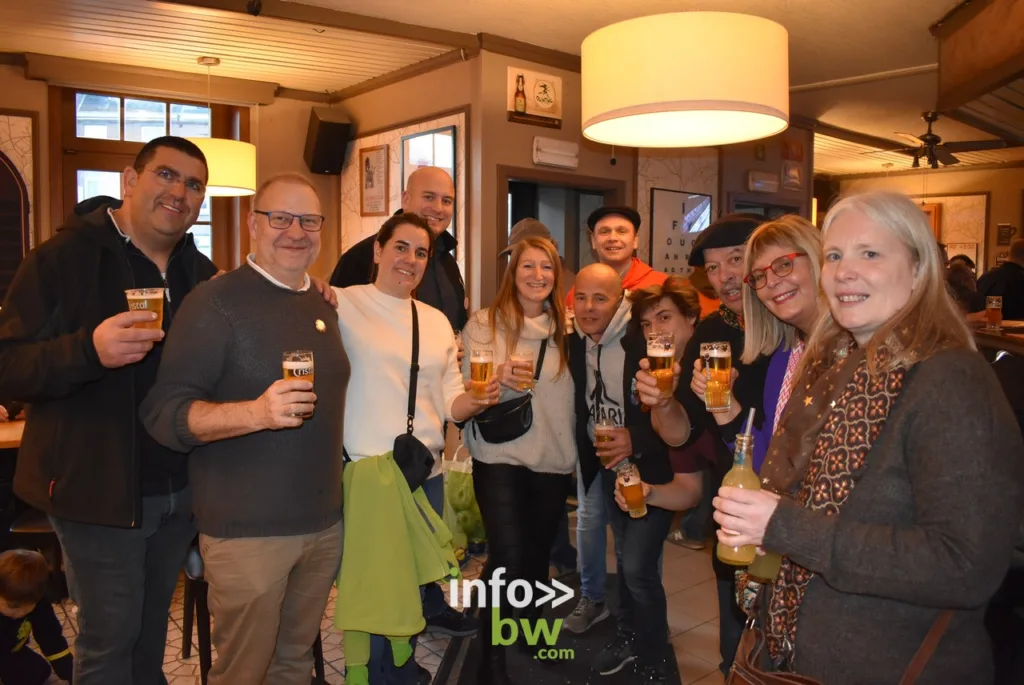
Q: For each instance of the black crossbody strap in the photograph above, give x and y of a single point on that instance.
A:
(414, 367)
(540, 359)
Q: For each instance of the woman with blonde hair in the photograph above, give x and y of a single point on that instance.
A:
(521, 476)
(900, 499)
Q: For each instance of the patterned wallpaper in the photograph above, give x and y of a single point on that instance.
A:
(16, 143)
(354, 227)
(694, 170)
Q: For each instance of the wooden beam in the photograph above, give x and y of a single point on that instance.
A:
(941, 170)
(988, 127)
(858, 138)
(323, 16)
(306, 95)
(13, 59)
(407, 72)
(529, 52)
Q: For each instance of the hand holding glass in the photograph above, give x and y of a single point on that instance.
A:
(717, 358)
(147, 300)
(298, 366)
(481, 368)
(661, 354)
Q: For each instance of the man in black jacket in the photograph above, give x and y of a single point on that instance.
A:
(118, 500)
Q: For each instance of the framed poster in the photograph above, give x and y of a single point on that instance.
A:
(677, 218)
(428, 148)
(792, 175)
(373, 181)
(534, 98)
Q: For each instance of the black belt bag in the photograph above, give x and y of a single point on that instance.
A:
(511, 419)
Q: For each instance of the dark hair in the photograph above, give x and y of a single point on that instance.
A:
(965, 259)
(676, 288)
(148, 151)
(23, 576)
(388, 229)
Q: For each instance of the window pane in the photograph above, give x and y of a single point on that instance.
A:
(97, 116)
(204, 212)
(202, 235)
(190, 121)
(92, 183)
(443, 153)
(144, 120)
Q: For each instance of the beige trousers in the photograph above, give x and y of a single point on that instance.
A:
(267, 597)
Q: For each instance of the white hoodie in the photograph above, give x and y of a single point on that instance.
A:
(612, 358)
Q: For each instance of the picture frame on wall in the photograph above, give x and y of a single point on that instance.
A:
(677, 218)
(436, 147)
(792, 175)
(534, 98)
(373, 181)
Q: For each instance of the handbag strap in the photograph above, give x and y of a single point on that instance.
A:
(540, 358)
(414, 368)
(927, 648)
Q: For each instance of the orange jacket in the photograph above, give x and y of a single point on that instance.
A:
(640, 275)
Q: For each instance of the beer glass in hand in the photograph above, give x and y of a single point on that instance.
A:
(994, 312)
(147, 300)
(602, 434)
(661, 355)
(298, 366)
(525, 358)
(627, 479)
(481, 368)
(717, 358)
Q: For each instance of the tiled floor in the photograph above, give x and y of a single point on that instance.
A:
(692, 617)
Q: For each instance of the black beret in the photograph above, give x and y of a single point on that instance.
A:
(601, 212)
(729, 231)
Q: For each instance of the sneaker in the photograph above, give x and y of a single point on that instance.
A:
(453, 623)
(677, 537)
(586, 614)
(616, 655)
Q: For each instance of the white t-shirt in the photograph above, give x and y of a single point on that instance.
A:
(377, 331)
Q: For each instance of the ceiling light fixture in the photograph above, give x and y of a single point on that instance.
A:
(686, 79)
(232, 163)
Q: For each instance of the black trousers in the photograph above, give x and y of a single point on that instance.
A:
(521, 510)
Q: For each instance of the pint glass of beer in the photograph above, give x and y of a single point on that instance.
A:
(481, 368)
(994, 312)
(602, 434)
(661, 354)
(524, 358)
(298, 366)
(717, 358)
(147, 300)
(628, 478)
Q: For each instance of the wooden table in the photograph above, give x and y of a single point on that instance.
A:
(10, 434)
(998, 342)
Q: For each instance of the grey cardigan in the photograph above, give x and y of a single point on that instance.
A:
(929, 526)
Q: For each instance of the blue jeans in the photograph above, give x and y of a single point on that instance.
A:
(591, 537)
(382, 666)
(122, 580)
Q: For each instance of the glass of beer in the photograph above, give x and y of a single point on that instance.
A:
(298, 366)
(717, 370)
(524, 358)
(481, 368)
(994, 312)
(661, 354)
(147, 300)
(602, 433)
(628, 478)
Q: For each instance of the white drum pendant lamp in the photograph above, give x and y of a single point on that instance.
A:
(686, 79)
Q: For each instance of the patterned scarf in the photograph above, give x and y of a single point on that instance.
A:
(730, 317)
(846, 408)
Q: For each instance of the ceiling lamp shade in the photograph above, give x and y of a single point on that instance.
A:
(232, 165)
(686, 79)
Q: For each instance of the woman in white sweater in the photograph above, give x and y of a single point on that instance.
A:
(521, 484)
(387, 554)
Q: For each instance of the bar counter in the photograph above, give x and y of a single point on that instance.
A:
(991, 342)
(10, 434)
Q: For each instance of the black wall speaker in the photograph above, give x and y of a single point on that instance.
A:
(328, 134)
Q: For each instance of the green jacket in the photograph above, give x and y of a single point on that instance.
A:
(394, 543)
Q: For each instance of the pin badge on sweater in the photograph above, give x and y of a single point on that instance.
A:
(320, 326)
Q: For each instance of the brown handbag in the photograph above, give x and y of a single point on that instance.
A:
(745, 669)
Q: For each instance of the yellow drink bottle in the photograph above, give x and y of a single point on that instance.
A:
(741, 475)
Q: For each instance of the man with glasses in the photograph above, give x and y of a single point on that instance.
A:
(70, 347)
(266, 451)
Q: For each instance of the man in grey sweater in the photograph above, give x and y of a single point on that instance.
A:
(266, 482)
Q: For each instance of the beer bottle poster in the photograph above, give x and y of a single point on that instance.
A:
(677, 218)
(534, 98)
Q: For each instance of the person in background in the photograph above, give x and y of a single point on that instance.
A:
(521, 484)
(1007, 281)
(602, 357)
(963, 284)
(963, 259)
(265, 479)
(25, 613)
(882, 523)
(376, 323)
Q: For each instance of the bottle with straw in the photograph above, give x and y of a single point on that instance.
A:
(741, 475)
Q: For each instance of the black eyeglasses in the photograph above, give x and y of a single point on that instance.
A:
(171, 178)
(281, 221)
(780, 266)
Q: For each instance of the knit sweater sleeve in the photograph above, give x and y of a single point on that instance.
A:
(962, 457)
(192, 362)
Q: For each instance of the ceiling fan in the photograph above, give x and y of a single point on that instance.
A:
(929, 146)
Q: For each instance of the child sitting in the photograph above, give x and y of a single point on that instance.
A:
(24, 614)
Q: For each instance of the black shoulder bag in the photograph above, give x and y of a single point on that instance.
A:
(412, 456)
(511, 419)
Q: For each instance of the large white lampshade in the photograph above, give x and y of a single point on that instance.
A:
(687, 79)
(232, 166)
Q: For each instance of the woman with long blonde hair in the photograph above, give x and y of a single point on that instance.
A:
(521, 483)
(898, 463)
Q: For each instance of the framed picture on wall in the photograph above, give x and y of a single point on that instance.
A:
(428, 148)
(677, 217)
(792, 175)
(373, 181)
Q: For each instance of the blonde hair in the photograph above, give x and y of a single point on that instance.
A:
(763, 331)
(930, 321)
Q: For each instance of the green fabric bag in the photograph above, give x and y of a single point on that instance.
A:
(459, 494)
